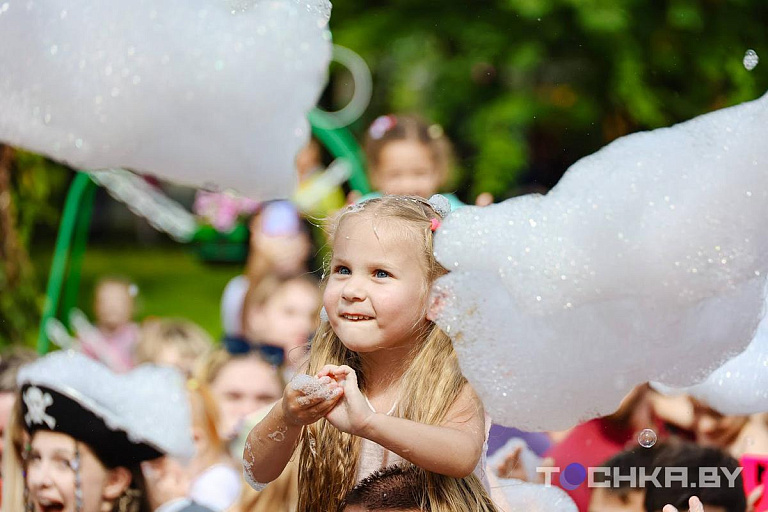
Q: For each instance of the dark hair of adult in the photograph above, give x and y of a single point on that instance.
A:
(693, 457)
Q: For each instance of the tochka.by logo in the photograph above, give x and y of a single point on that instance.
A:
(575, 475)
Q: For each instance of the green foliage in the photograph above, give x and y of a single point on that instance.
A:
(34, 187)
(504, 75)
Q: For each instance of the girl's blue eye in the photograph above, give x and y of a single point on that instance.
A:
(342, 270)
(382, 273)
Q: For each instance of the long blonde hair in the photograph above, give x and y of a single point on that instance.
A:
(328, 457)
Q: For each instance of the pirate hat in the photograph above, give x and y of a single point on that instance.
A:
(124, 419)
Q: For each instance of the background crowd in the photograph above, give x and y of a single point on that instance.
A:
(519, 109)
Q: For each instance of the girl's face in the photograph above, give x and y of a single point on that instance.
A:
(406, 167)
(243, 386)
(113, 306)
(51, 475)
(375, 296)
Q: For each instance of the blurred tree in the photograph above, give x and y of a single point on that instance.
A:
(29, 180)
(524, 88)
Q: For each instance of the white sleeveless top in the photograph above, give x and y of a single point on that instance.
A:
(374, 457)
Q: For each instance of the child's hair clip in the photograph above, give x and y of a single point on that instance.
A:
(381, 125)
(434, 223)
(440, 204)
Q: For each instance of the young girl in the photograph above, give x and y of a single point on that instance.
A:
(240, 385)
(280, 314)
(383, 381)
(114, 338)
(407, 156)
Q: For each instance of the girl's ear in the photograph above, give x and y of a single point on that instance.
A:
(117, 482)
(435, 304)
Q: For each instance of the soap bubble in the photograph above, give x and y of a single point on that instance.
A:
(647, 438)
(665, 258)
(750, 59)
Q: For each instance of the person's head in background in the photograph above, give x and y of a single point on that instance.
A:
(279, 241)
(240, 385)
(172, 342)
(624, 497)
(113, 303)
(710, 428)
(399, 487)
(10, 362)
(282, 312)
(407, 156)
(726, 497)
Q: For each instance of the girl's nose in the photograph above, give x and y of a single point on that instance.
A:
(40, 477)
(353, 291)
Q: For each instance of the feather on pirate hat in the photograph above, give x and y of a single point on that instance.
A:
(125, 419)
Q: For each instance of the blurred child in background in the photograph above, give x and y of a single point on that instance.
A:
(279, 317)
(113, 342)
(407, 156)
(239, 385)
(172, 342)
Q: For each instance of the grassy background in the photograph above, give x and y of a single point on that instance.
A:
(172, 280)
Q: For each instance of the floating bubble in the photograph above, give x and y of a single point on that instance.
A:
(647, 438)
(751, 59)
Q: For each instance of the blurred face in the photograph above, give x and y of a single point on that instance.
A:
(602, 500)
(172, 357)
(289, 317)
(375, 296)
(287, 254)
(714, 429)
(51, 475)
(406, 167)
(243, 386)
(113, 306)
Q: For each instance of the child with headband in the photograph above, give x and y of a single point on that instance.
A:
(407, 156)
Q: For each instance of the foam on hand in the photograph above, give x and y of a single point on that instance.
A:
(646, 262)
(202, 92)
(313, 387)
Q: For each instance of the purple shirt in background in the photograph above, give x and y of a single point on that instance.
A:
(538, 442)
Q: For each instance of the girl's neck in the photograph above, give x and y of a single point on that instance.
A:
(383, 370)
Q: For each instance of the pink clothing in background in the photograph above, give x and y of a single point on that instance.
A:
(115, 350)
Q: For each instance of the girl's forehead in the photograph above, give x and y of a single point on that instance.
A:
(383, 231)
